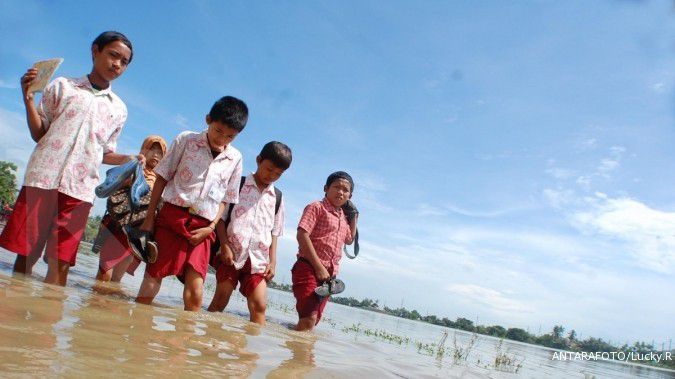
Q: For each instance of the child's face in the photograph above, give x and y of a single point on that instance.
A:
(338, 192)
(112, 61)
(153, 156)
(220, 135)
(267, 173)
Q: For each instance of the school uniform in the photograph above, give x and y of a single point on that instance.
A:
(82, 124)
(196, 185)
(329, 232)
(252, 224)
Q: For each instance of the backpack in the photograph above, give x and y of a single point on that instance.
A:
(215, 246)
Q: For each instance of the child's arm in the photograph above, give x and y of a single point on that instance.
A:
(272, 266)
(198, 235)
(307, 251)
(32, 115)
(118, 159)
(225, 255)
(157, 189)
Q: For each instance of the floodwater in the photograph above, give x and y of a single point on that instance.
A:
(79, 331)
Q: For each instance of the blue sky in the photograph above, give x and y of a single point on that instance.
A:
(513, 161)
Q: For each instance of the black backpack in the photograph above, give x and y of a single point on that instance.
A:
(215, 246)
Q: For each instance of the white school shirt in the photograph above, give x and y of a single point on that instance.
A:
(81, 125)
(252, 225)
(195, 179)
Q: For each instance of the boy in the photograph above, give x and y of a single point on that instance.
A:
(248, 252)
(199, 174)
(76, 127)
(322, 232)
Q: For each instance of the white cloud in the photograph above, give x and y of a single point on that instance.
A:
(647, 234)
(8, 85)
(15, 144)
(560, 173)
(181, 121)
(488, 297)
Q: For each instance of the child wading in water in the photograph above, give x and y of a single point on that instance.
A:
(322, 232)
(115, 256)
(249, 232)
(199, 174)
(76, 127)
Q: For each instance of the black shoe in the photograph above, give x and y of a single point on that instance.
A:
(142, 247)
(331, 287)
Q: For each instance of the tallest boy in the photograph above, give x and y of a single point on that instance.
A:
(76, 127)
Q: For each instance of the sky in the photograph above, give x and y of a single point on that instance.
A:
(513, 161)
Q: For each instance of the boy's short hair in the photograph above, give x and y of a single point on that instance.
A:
(278, 153)
(230, 111)
(111, 36)
(340, 175)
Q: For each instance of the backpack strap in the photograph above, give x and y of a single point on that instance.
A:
(278, 194)
(231, 207)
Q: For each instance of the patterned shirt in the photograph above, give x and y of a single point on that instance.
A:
(252, 225)
(81, 125)
(328, 230)
(195, 179)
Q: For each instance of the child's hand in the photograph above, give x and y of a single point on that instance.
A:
(148, 225)
(198, 235)
(226, 256)
(269, 271)
(26, 80)
(321, 273)
(140, 158)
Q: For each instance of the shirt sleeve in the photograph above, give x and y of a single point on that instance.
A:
(166, 168)
(49, 102)
(232, 187)
(278, 227)
(309, 217)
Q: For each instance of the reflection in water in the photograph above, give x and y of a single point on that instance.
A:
(300, 363)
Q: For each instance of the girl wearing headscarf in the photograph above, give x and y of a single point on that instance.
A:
(114, 253)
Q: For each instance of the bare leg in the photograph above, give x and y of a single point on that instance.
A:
(257, 303)
(306, 323)
(149, 289)
(193, 291)
(24, 264)
(121, 268)
(221, 297)
(104, 276)
(57, 272)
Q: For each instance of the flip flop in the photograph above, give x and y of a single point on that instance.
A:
(114, 178)
(332, 287)
(142, 246)
(139, 188)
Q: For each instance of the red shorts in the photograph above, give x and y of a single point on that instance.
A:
(247, 281)
(304, 283)
(115, 248)
(172, 230)
(46, 218)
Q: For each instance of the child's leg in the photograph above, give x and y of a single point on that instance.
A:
(222, 296)
(149, 289)
(104, 276)
(193, 291)
(306, 323)
(121, 268)
(257, 303)
(57, 271)
(24, 264)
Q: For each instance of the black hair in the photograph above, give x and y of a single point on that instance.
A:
(340, 175)
(230, 111)
(278, 153)
(109, 37)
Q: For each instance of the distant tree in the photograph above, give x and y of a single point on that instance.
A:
(414, 315)
(558, 331)
(517, 334)
(496, 331)
(572, 336)
(464, 324)
(7, 182)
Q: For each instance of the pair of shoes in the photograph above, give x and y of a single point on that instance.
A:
(115, 177)
(139, 188)
(332, 287)
(142, 246)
